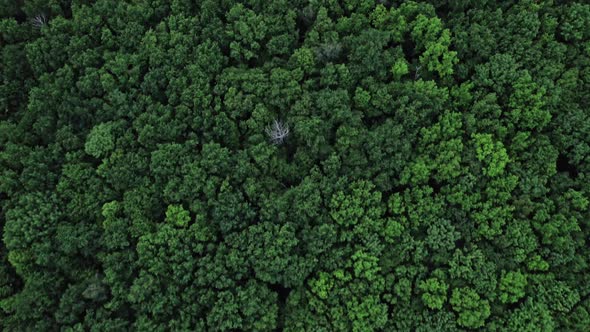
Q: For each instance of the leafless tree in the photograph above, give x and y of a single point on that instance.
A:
(277, 132)
(39, 21)
(417, 74)
(308, 15)
(328, 51)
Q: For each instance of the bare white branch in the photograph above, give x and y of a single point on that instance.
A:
(277, 132)
(39, 21)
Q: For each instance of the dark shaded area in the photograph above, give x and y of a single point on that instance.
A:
(282, 291)
(460, 243)
(283, 295)
(434, 185)
(20, 17)
(563, 165)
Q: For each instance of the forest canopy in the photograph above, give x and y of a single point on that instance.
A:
(304, 165)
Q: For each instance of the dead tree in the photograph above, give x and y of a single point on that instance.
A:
(39, 21)
(277, 132)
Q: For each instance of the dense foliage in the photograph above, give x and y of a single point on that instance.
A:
(320, 165)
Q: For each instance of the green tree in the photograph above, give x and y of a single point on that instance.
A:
(435, 292)
(512, 286)
(472, 310)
